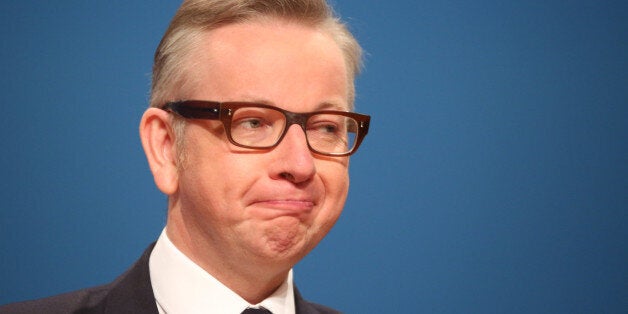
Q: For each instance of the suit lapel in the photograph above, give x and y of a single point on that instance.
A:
(132, 292)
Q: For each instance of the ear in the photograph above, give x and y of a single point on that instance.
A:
(158, 142)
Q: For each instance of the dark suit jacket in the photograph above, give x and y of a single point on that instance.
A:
(129, 293)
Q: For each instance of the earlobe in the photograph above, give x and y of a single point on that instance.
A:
(158, 142)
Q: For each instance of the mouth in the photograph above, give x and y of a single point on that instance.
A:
(286, 207)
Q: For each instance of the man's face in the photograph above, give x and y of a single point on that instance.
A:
(266, 206)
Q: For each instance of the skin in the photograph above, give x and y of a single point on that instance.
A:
(248, 216)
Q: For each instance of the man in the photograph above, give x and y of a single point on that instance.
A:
(248, 134)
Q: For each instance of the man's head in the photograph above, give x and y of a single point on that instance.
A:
(240, 212)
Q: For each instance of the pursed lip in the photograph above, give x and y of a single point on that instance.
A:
(286, 206)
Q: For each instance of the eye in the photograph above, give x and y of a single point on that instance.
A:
(326, 124)
(251, 119)
(250, 123)
(326, 127)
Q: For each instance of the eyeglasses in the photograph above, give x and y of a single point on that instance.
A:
(258, 126)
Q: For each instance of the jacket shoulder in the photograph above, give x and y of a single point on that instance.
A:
(306, 307)
(129, 293)
(80, 301)
(319, 308)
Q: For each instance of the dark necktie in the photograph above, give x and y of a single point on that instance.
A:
(261, 310)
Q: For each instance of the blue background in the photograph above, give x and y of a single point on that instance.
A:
(494, 178)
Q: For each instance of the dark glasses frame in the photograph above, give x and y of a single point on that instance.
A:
(223, 111)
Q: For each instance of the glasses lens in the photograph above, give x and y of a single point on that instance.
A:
(257, 127)
(332, 133)
(260, 127)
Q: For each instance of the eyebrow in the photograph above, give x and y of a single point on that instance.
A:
(332, 106)
(321, 106)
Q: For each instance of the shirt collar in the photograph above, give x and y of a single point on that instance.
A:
(181, 286)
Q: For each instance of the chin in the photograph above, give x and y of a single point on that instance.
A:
(288, 243)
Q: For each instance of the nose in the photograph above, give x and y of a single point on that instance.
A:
(293, 160)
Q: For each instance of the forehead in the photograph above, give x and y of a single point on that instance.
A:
(268, 59)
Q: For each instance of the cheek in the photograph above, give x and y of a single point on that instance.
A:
(213, 178)
(335, 178)
(213, 198)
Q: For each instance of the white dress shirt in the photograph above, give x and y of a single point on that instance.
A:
(182, 287)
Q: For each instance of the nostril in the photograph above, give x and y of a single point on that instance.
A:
(287, 176)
